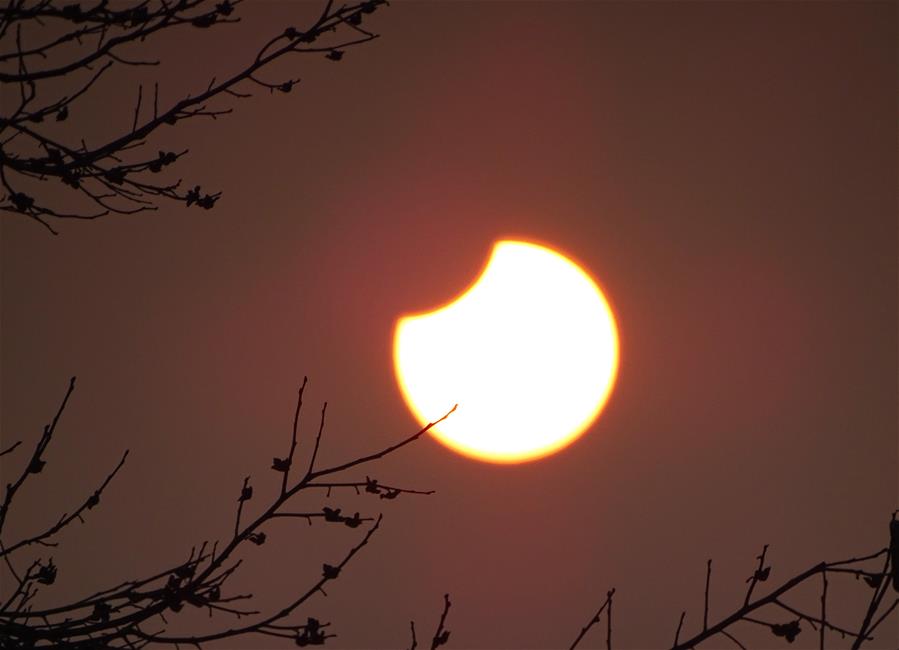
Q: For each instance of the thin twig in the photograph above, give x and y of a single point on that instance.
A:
(65, 520)
(823, 629)
(680, 624)
(441, 636)
(876, 598)
(318, 439)
(760, 574)
(293, 438)
(414, 644)
(733, 638)
(35, 464)
(11, 448)
(607, 603)
(243, 497)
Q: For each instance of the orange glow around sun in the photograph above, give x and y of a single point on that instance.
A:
(529, 352)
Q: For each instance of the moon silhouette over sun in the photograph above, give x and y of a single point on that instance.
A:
(529, 352)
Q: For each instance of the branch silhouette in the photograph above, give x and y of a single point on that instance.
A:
(774, 603)
(607, 604)
(135, 613)
(82, 44)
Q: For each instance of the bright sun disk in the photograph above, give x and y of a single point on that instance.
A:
(529, 352)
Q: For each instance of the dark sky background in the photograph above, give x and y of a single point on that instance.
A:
(728, 173)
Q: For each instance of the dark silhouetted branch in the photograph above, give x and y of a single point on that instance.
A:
(876, 599)
(136, 613)
(318, 439)
(284, 464)
(680, 624)
(761, 575)
(414, 643)
(823, 628)
(91, 502)
(80, 43)
(607, 604)
(442, 635)
(789, 630)
(35, 464)
(11, 448)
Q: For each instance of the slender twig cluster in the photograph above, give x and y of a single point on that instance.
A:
(136, 613)
(42, 41)
(441, 635)
(606, 605)
(786, 620)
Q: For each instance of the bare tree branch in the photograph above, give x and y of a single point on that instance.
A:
(128, 614)
(85, 42)
(607, 604)
(441, 636)
(791, 629)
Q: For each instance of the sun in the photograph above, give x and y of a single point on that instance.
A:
(529, 352)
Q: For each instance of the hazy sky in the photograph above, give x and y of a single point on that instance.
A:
(726, 170)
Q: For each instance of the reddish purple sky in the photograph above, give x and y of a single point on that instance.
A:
(726, 170)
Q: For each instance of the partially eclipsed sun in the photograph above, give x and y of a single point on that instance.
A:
(529, 352)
